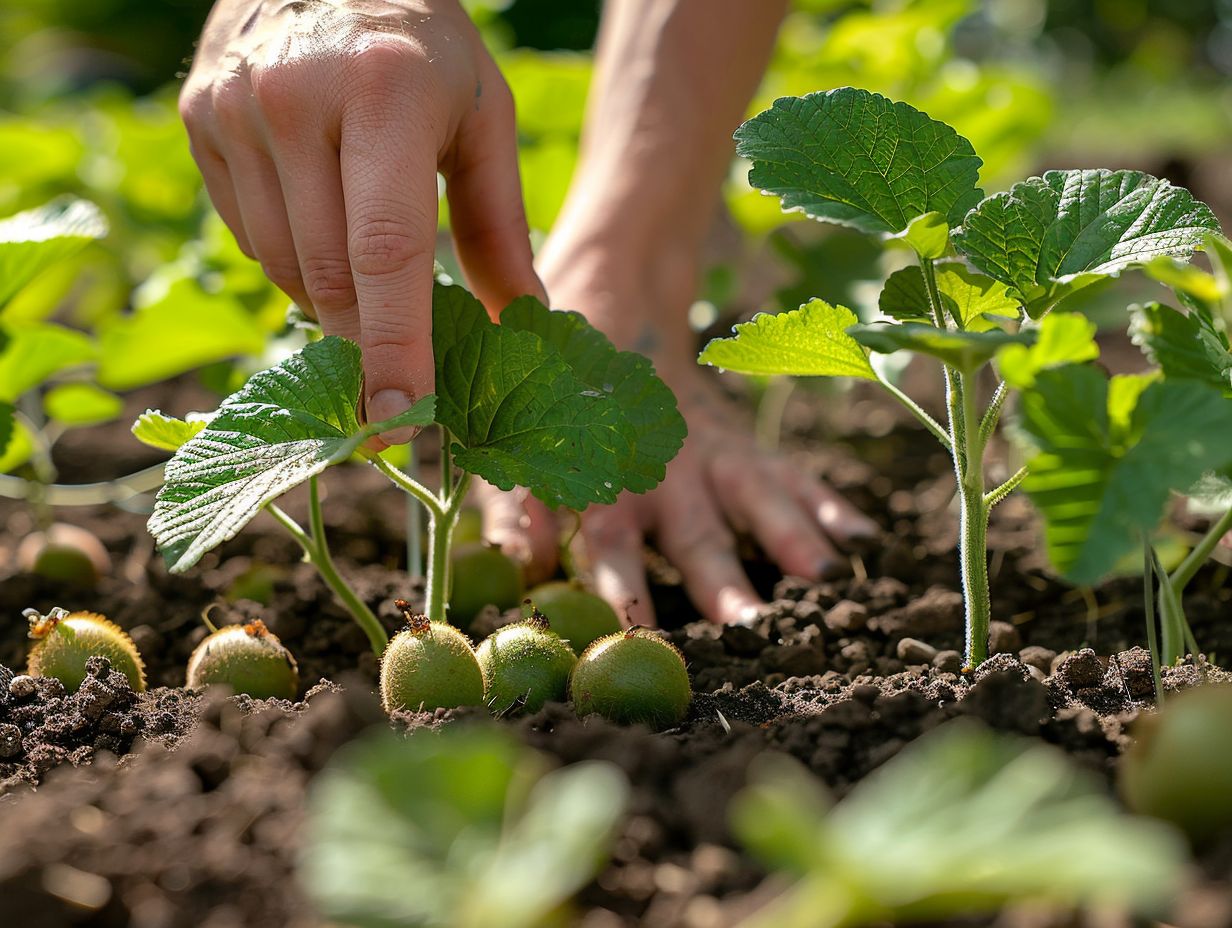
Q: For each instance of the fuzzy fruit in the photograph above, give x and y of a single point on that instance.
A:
(525, 665)
(1179, 767)
(429, 665)
(248, 658)
(574, 613)
(64, 553)
(632, 677)
(64, 641)
(482, 576)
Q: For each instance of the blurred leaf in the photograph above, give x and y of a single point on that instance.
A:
(1051, 235)
(962, 822)
(811, 341)
(76, 404)
(1194, 286)
(183, 329)
(19, 450)
(965, 351)
(1061, 338)
(33, 353)
(39, 238)
(457, 829)
(6, 426)
(1183, 346)
(858, 159)
(164, 432)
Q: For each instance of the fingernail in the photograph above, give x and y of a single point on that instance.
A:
(748, 616)
(829, 568)
(385, 404)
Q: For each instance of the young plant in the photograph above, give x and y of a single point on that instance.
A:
(632, 677)
(541, 400)
(248, 658)
(525, 665)
(429, 665)
(64, 641)
(575, 613)
(987, 273)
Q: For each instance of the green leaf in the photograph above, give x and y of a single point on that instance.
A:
(1193, 286)
(1107, 456)
(523, 413)
(34, 240)
(1051, 235)
(288, 423)
(34, 353)
(965, 351)
(966, 296)
(6, 426)
(811, 341)
(858, 159)
(164, 432)
(183, 329)
(75, 404)
(1183, 346)
(19, 448)
(1062, 338)
(927, 235)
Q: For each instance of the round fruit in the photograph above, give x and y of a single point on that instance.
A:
(429, 665)
(525, 665)
(469, 527)
(248, 658)
(64, 641)
(574, 613)
(64, 553)
(1179, 767)
(632, 677)
(482, 576)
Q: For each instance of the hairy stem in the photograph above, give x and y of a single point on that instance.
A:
(994, 496)
(440, 535)
(992, 414)
(1148, 602)
(411, 486)
(1197, 557)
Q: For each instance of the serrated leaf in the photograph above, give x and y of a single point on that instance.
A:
(77, 404)
(1101, 475)
(167, 433)
(288, 423)
(965, 351)
(966, 296)
(1048, 236)
(34, 353)
(811, 341)
(34, 240)
(658, 430)
(1062, 338)
(858, 159)
(1183, 346)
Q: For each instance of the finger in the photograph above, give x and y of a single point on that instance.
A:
(485, 202)
(611, 543)
(692, 536)
(221, 190)
(523, 527)
(388, 163)
(750, 495)
(837, 517)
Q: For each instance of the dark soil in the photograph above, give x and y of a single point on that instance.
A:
(168, 809)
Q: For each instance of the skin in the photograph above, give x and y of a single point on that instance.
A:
(320, 126)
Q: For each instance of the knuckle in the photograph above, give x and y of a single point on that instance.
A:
(229, 102)
(384, 246)
(284, 274)
(328, 283)
(276, 91)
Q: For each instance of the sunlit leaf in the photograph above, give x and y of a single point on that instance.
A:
(1062, 338)
(965, 351)
(927, 235)
(164, 432)
(1184, 346)
(77, 404)
(31, 354)
(36, 239)
(966, 296)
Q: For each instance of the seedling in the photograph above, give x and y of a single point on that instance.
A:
(481, 576)
(525, 665)
(66, 554)
(248, 658)
(542, 401)
(64, 641)
(575, 613)
(429, 665)
(989, 274)
(632, 677)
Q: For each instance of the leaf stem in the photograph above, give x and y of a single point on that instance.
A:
(410, 485)
(992, 414)
(992, 497)
(1197, 557)
(440, 535)
(918, 411)
(1148, 602)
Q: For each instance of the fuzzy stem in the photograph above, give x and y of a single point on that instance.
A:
(992, 414)
(440, 534)
(1172, 626)
(410, 485)
(1197, 557)
(1148, 602)
(994, 496)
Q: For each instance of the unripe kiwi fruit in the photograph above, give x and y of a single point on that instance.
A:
(64, 641)
(525, 665)
(1179, 766)
(248, 658)
(574, 613)
(632, 677)
(481, 576)
(429, 665)
(64, 553)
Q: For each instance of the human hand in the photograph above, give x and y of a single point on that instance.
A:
(320, 127)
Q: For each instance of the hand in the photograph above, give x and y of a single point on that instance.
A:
(320, 128)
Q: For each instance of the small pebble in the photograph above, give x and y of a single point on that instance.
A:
(1003, 638)
(22, 687)
(948, 661)
(846, 616)
(914, 651)
(1033, 655)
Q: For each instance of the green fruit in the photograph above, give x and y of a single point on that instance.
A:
(525, 665)
(248, 658)
(1179, 767)
(469, 527)
(64, 553)
(632, 677)
(574, 613)
(430, 665)
(481, 576)
(64, 641)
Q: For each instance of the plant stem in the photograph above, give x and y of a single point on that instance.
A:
(992, 497)
(1152, 638)
(992, 414)
(1172, 624)
(117, 491)
(440, 534)
(918, 411)
(1197, 557)
(410, 485)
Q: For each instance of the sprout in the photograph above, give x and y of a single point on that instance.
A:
(64, 641)
(525, 665)
(575, 613)
(429, 665)
(248, 658)
(632, 677)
